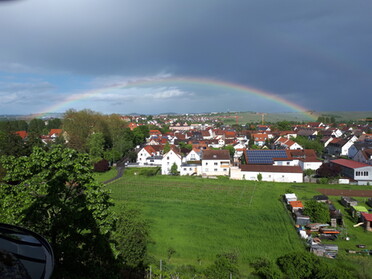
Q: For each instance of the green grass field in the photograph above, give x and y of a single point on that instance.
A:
(200, 218)
(104, 176)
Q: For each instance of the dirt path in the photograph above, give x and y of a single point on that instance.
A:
(346, 192)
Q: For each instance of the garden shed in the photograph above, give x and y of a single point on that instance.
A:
(348, 201)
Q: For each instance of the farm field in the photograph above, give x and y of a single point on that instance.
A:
(200, 218)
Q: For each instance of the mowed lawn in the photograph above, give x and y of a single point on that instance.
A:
(200, 218)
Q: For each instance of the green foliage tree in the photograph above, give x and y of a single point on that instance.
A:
(174, 169)
(318, 212)
(132, 237)
(283, 126)
(259, 177)
(96, 144)
(167, 148)
(299, 265)
(12, 144)
(54, 193)
(309, 172)
(37, 126)
(266, 269)
(13, 125)
(222, 267)
(310, 144)
(305, 265)
(54, 123)
(79, 125)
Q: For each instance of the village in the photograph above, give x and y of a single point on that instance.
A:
(260, 152)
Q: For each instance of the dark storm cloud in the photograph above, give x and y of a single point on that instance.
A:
(317, 48)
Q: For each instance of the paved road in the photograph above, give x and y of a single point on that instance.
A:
(120, 168)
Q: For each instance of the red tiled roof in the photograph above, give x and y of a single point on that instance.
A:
(55, 131)
(367, 216)
(349, 163)
(216, 155)
(22, 134)
(367, 153)
(271, 168)
(296, 204)
(230, 134)
(154, 132)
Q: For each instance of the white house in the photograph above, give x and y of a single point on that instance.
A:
(364, 156)
(287, 143)
(148, 151)
(170, 158)
(190, 169)
(192, 156)
(216, 162)
(340, 147)
(360, 172)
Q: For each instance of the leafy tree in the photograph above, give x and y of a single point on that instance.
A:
(12, 144)
(174, 169)
(54, 123)
(132, 237)
(96, 144)
(309, 172)
(326, 170)
(310, 144)
(283, 126)
(305, 265)
(299, 265)
(37, 126)
(259, 177)
(318, 212)
(54, 193)
(167, 148)
(79, 125)
(222, 267)
(266, 269)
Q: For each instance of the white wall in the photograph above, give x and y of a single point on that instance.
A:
(215, 167)
(266, 176)
(310, 165)
(168, 160)
(190, 170)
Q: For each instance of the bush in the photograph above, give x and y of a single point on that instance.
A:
(223, 266)
(101, 166)
(266, 269)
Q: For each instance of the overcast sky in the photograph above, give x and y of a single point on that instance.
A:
(316, 54)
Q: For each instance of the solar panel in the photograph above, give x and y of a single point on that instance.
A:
(264, 156)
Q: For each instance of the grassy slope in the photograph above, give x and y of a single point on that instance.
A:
(104, 176)
(200, 218)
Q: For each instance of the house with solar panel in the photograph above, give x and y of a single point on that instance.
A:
(273, 165)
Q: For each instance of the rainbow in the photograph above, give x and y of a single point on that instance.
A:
(162, 81)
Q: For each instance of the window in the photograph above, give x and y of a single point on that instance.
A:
(215, 169)
(216, 164)
(366, 173)
(206, 163)
(224, 169)
(184, 169)
(287, 163)
(168, 158)
(357, 173)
